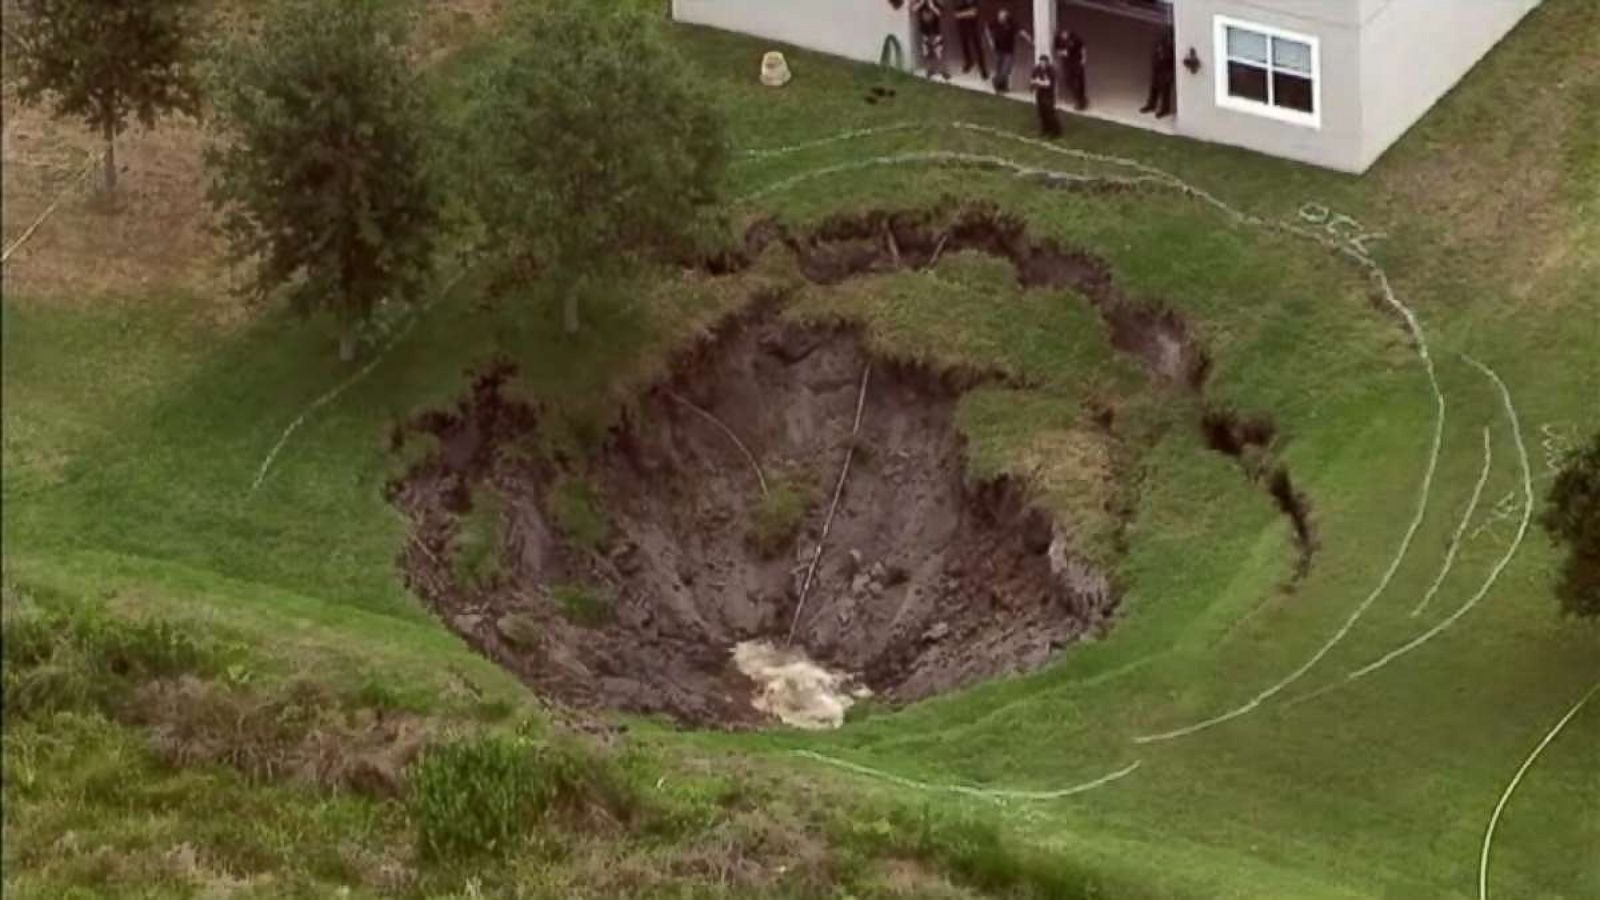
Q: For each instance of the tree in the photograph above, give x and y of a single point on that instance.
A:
(324, 179)
(105, 61)
(593, 146)
(1573, 516)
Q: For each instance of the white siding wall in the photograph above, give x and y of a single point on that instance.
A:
(1414, 51)
(854, 29)
(1337, 142)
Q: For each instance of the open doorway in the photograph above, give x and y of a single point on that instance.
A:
(1120, 37)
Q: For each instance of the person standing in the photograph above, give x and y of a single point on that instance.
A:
(1073, 57)
(1163, 74)
(1003, 33)
(971, 37)
(1044, 96)
(930, 29)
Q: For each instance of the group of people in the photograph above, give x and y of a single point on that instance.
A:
(1002, 31)
(1066, 72)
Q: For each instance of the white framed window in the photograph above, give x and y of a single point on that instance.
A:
(1269, 72)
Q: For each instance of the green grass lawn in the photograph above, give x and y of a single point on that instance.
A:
(134, 431)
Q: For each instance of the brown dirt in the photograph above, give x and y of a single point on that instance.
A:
(928, 583)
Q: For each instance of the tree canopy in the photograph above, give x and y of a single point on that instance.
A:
(324, 181)
(592, 146)
(106, 61)
(1573, 517)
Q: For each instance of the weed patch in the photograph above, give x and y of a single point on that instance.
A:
(775, 522)
(474, 796)
(482, 794)
(80, 658)
(578, 510)
(584, 604)
(477, 559)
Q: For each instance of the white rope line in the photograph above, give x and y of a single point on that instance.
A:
(333, 394)
(749, 457)
(50, 210)
(993, 795)
(838, 491)
(1153, 175)
(1455, 539)
(1499, 808)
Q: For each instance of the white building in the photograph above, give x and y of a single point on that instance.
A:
(1328, 82)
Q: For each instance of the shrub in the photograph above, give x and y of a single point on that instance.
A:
(779, 514)
(1573, 517)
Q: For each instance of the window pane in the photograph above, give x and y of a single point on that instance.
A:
(1291, 55)
(1249, 82)
(1292, 92)
(1247, 45)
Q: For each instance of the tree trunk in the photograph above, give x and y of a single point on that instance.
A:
(111, 160)
(347, 344)
(569, 311)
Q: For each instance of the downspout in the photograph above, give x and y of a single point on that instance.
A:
(1044, 29)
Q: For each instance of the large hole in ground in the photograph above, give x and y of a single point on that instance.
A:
(928, 581)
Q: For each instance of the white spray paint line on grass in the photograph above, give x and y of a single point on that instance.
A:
(851, 135)
(1455, 539)
(1381, 280)
(324, 400)
(50, 210)
(337, 390)
(993, 795)
(1505, 560)
(947, 157)
(1331, 240)
(1499, 808)
(1488, 583)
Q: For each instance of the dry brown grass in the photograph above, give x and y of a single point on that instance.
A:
(156, 236)
(153, 238)
(301, 735)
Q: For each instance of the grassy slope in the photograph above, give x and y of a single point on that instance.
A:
(133, 434)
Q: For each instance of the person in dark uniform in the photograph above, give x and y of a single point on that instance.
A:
(1073, 58)
(930, 29)
(1044, 96)
(1003, 33)
(971, 37)
(1163, 74)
